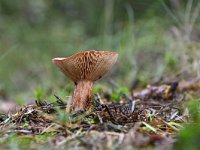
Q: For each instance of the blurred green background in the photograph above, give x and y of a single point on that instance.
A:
(153, 38)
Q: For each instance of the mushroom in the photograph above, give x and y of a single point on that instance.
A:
(84, 68)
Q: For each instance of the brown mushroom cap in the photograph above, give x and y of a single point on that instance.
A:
(86, 65)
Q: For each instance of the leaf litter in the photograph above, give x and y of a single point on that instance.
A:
(149, 118)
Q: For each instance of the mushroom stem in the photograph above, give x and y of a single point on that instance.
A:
(82, 95)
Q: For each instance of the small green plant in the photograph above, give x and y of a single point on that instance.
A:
(116, 94)
(189, 136)
(170, 61)
(39, 93)
(63, 117)
(98, 89)
(194, 110)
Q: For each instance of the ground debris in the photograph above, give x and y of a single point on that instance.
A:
(136, 122)
(163, 92)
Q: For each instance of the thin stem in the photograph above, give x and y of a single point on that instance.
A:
(82, 95)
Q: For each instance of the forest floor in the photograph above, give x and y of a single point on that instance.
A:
(156, 117)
